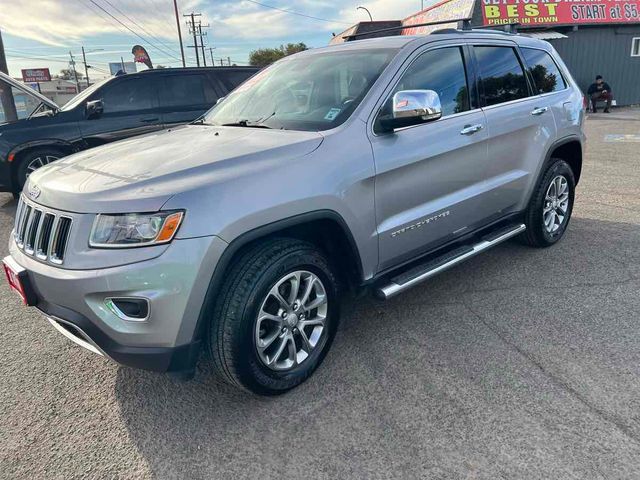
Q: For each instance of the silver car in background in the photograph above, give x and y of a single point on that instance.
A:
(373, 164)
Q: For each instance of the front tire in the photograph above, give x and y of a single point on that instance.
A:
(275, 318)
(551, 206)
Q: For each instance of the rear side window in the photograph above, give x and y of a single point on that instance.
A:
(231, 79)
(501, 75)
(442, 71)
(544, 71)
(185, 90)
(128, 95)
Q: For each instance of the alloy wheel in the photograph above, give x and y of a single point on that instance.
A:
(40, 161)
(292, 321)
(556, 204)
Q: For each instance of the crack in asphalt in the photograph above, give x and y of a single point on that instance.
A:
(556, 380)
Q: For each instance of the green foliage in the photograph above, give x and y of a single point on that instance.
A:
(67, 74)
(266, 56)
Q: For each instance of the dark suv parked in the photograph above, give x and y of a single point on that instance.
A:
(114, 109)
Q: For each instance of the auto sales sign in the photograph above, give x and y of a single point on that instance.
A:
(35, 75)
(559, 12)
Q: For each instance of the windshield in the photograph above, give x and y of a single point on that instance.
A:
(307, 92)
(81, 97)
(23, 103)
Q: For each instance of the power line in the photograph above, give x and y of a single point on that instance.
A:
(298, 13)
(132, 31)
(137, 24)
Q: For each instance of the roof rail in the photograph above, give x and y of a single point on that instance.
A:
(474, 30)
(464, 23)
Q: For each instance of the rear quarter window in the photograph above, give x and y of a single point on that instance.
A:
(544, 70)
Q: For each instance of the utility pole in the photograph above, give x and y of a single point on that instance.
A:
(192, 30)
(6, 95)
(229, 60)
(86, 69)
(211, 49)
(202, 35)
(175, 7)
(72, 64)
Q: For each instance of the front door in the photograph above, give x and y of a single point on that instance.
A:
(130, 108)
(432, 179)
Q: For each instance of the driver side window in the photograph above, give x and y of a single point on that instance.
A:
(441, 70)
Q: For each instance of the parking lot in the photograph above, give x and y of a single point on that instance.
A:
(521, 363)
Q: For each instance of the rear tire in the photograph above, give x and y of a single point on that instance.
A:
(262, 310)
(551, 206)
(33, 160)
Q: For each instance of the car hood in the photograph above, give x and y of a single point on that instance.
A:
(142, 173)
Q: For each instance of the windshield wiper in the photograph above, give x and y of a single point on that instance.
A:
(245, 124)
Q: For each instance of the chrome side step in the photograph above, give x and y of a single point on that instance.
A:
(427, 270)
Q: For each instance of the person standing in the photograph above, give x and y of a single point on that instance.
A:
(600, 91)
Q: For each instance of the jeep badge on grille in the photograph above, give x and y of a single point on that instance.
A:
(34, 191)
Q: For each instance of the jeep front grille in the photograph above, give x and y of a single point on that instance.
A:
(41, 233)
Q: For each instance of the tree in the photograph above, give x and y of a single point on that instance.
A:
(67, 74)
(266, 56)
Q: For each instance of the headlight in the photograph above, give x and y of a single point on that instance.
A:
(134, 229)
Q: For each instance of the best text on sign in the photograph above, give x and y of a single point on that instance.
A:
(559, 12)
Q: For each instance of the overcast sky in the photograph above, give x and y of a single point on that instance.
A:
(49, 29)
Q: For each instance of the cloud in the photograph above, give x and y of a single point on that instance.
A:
(64, 22)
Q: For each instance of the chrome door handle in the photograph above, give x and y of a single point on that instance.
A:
(539, 111)
(471, 129)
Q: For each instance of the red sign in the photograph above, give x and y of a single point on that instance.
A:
(444, 10)
(34, 75)
(559, 12)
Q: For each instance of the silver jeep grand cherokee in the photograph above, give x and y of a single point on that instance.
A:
(376, 163)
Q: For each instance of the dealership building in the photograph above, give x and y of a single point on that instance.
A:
(593, 37)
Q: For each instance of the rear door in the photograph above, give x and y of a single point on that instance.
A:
(520, 123)
(130, 108)
(432, 179)
(185, 97)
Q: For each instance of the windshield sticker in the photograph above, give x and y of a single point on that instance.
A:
(332, 114)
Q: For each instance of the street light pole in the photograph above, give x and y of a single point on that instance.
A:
(366, 10)
(175, 7)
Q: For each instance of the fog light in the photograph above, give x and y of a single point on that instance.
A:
(129, 308)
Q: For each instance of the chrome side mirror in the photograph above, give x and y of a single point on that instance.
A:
(412, 107)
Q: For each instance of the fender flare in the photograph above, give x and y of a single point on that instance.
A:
(241, 241)
(47, 142)
(547, 159)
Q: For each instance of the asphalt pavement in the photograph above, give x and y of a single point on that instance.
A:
(521, 363)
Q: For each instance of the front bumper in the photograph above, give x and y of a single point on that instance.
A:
(174, 283)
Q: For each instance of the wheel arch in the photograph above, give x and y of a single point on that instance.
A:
(570, 150)
(21, 150)
(323, 228)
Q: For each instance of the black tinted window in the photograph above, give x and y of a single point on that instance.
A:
(128, 95)
(442, 71)
(501, 74)
(231, 79)
(183, 90)
(546, 75)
